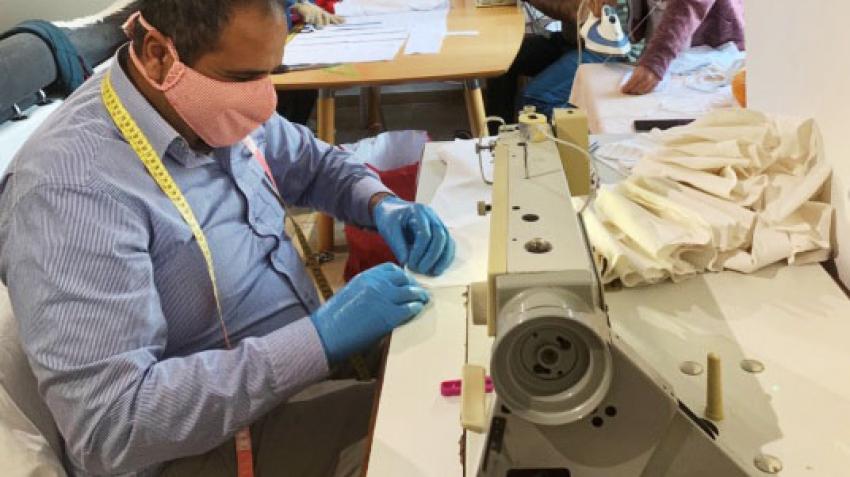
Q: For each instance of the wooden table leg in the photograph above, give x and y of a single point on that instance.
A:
(326, 124)
(475, 108)
(470, 113)
(374, 113)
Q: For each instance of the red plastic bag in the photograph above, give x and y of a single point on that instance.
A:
(366, 248)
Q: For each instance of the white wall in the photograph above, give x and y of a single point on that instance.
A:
(798, 62)
(13, 11)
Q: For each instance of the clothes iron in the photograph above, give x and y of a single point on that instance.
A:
(605, 35)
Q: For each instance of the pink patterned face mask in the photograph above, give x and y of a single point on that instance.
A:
(220, 112)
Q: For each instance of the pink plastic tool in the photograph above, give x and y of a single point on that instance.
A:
(452, 387)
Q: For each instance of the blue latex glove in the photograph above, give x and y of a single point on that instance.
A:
(415, 234)
(370, 306)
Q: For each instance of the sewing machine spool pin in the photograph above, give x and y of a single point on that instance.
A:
(714, 390)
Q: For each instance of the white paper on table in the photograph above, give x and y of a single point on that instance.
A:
(406, 20)
(356, 8)
(328, 54)
(424, 41)
(426, 36)
(337, 35)
(462, 33)
(455, 202)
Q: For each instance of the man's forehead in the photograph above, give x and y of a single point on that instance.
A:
(251, 38)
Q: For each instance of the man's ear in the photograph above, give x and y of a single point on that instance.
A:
(155, 57)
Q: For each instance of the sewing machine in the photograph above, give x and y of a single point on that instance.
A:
(781, 334)
(572, 398)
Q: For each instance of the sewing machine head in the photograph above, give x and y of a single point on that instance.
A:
(572, 398)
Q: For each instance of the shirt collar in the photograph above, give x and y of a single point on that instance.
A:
(163, 138)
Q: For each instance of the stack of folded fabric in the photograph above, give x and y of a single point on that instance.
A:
(735, 190)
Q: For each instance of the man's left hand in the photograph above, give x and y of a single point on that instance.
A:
(643, 81)
(415, 234)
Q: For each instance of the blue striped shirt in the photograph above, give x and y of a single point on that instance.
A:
(111, 292)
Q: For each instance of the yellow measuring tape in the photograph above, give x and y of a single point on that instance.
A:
(140, 144)
(153, 163)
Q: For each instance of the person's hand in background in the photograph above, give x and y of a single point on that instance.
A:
(416, 236)
(315, 15)
(370, 306)
(643, 81)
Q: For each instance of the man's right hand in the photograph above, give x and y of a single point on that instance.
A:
(371, 305)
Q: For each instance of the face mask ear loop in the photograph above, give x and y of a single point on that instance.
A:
(177, 67)
(130, 25)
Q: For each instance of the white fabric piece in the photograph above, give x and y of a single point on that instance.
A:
(625, 153)
(29, 440)
(455, 201)
(734, 190)
(694, 59)
(23, 449)
(389, 150)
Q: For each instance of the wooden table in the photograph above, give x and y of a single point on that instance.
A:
(468, 58)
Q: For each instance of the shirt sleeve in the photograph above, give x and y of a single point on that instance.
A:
(673, 33)
(82, 286)
(310, 172)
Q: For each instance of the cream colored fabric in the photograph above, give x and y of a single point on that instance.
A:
(734, 190)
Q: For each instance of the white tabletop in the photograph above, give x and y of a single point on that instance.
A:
(596, 90)
(794, 320)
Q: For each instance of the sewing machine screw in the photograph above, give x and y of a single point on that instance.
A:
(538, 245)
(484, 208)
(479, 147)
(768, 463)
(691, 368)
(752, 366)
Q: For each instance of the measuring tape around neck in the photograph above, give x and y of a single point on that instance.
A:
(153, 163)
(356, 361)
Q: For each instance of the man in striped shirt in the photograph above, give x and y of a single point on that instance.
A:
(116, 309)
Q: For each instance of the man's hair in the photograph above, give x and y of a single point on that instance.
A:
(193, 25)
